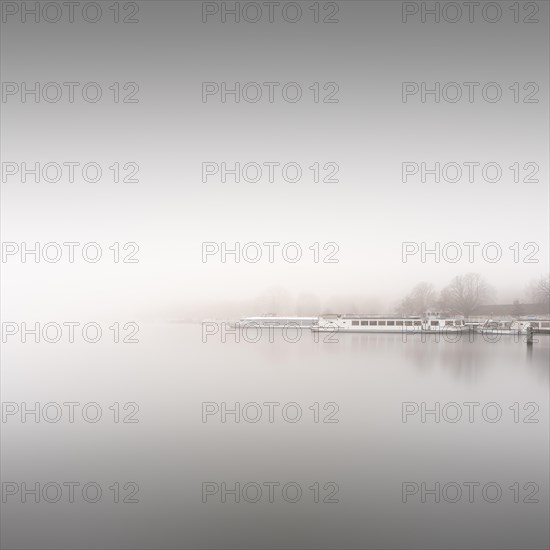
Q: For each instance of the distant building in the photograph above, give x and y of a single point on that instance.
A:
(511, 311)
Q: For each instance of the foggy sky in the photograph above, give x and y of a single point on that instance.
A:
(369, 133)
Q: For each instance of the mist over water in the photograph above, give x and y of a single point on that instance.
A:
(367, 207)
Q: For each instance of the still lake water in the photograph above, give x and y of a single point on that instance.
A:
(350, 450)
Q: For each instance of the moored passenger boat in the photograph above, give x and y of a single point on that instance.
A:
(539, 325)
(273, 321)
(432, 322)
(510, 327)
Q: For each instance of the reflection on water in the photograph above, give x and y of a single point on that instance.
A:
(369, 453)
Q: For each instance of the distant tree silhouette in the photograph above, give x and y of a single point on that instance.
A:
(538, 290)
(517, 310)
(419, 300)
(307, 304)
(465, 293)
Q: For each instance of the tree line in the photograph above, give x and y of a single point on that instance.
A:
(464, 294)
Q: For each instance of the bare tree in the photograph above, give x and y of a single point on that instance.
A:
(538, 290)
(307, 304)
(419, 300)
(518, 309)
(275, 300)
(465, 293)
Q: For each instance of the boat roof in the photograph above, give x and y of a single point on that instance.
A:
(272, 317)
(368, 316)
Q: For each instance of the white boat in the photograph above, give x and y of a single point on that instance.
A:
(504, 327)
(431, 322)
(273, 321)
(539, 325)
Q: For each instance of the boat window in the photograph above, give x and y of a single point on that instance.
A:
(391, 323)
(417, 323)
(381, 323)
(545, 324)
(458, 323)
(448, 323)
(355, 323)
(408, 323)
(399, 323)
(363, 323)
(373, 323)
(434, 323)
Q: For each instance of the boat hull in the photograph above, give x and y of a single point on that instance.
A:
(392, 330)
(501, 332)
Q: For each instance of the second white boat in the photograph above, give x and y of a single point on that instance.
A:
(431, 322)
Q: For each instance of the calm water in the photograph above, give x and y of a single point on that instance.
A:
(351, 446)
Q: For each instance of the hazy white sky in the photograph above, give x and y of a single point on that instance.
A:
(369, 133)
